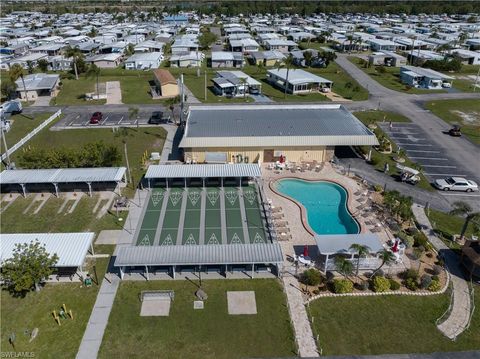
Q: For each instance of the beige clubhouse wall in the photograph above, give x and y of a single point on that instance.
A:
(297, 154)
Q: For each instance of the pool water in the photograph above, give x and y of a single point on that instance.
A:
(325, 203)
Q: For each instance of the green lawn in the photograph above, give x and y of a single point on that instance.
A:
(35, 311)
(387, 325)
(446, 225)
(48, 220)
(390, 78)
(463, 112)
(21, 125)
(149, 139)
(207, 333)
(379, 159)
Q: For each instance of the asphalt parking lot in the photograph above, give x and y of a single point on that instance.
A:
(419, 147)
(110, 119)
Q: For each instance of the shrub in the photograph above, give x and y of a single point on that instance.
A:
(420, 239)
(342, 286)
(67, 75)
(440, 262)
(435, 277)
(379, 273)
(411, 274)
(311, 277)
(330, 276)
(417, 252)
(425, 281)
(380, 284)
(406, 239)
(411, 284)
(394, 285)
(434, 286)
(411, 231)
(378, 188)
(363, 285)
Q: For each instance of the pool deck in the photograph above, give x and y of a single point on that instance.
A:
(295, 214)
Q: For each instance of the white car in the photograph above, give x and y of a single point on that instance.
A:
(446, 85)
(456, 184)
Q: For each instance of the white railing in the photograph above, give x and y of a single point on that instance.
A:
(30, 135)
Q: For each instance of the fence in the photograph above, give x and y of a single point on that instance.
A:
(30, 135)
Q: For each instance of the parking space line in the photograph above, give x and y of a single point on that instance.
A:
(412, 144)
(429, 158)
(444, 174)
(86, 123)
(120, 121)
(106, 118)
(403, 133)
(439, 166)
(423, 151)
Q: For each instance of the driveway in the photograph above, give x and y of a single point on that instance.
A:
(114, 93)
(42, 101)
(261, 98)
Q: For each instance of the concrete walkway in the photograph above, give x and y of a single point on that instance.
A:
(169, 149)
(298, 314)
(458, 318)
(114, 93)
(190, 96)
(92, 338)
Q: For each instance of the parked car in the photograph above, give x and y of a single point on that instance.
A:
(96, 118)
(446, 85)
(157, 118)
(254, 91)
(456, 184)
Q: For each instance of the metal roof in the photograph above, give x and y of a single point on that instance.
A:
(63, 175)
(71, 248)
(204, 170)
(340, 243)
(37, 82)
(420, 71)
(199, 254)
(278, 125)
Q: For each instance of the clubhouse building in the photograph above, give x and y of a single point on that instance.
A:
(264, 133)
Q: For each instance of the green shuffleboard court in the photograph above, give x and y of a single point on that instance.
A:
(197, 216)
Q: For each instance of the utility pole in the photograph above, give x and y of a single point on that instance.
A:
(182, 99)
(206, 85)
(5, 143)
(126, 159)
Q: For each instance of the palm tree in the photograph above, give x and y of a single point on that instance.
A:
(287, 63)
(16, 71)
(75, 53)
(463, 209)
(171, 102)
(30, 66)
(362, 251)
(243, 82)
(387, 257)
(344, 266)
(94, 71)
(350, 42)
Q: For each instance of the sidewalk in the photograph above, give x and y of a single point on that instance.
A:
(459, 316)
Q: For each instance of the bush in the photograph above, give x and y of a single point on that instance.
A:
(380, 284)
(342, 286)
(406, 239)
(411, 284)
(411, 274)
(394, 285)
(378, 188)
(425, 281)
(363, 285)
(379, 273)
(311, 277)
(435, 277)
(330, 276)
(420, 240)
(434, 286)
(67, 76)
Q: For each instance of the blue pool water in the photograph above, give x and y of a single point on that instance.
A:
(325, 203)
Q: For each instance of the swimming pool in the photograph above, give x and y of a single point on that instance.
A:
(324, 202)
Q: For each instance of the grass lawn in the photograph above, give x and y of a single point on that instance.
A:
(390, 78)
(48, 220)
(463, 112)
(207, 333)
(446, 225)
(379, 159)
(21, 125)
(387, 325)
(149, 139)
(35, 311)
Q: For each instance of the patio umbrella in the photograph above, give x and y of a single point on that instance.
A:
(282, 159)
(305, 251)
(395, 246)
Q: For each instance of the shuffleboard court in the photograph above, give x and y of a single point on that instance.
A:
(191, 224)
(233, 216)
(213, 221)
(254, 215)
(151, 218)
(169, 231)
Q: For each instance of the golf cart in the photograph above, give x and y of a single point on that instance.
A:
(455, 131)
(408, 174)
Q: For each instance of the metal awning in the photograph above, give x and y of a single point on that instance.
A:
(217, 254)
(71, 248)
(63, 175)
(340, 243)
(204, 171)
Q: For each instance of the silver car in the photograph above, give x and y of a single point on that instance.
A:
(456, 184)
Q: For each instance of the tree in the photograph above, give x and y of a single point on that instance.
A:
(206, 39)
(42, 65)
(30, 66)
(344, 266)
(287, 63)
(93, 32)
(130, 50)
(75, 54)
(171, 102)
(307, 55)
(29, 265)
(362, 251)
(8, 88)
(94, 71)
(16, 71)
(463, 209)
(387, 257)
(243, 82)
